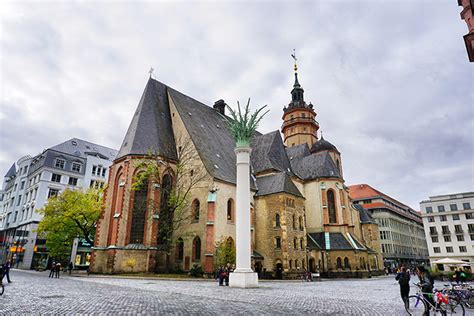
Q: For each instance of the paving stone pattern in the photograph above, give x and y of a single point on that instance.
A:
(34, 293)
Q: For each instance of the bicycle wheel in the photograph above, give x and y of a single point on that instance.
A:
(454, 307)
(415, 305)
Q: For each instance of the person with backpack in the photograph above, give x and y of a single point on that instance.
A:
(427, 284)
(403, 278)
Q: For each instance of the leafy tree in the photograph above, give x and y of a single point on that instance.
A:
(71, 214)
(187, 174)
(225, 252)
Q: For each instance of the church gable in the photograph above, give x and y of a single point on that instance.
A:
(150, 129)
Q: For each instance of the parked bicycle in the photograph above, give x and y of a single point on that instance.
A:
(463, 292)
(438, 301)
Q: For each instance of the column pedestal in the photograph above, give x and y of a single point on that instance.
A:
(243, 279)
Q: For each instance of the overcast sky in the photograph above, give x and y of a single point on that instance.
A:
(390, 80)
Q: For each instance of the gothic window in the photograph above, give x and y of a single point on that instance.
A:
(339, 263)
(346, 263)
(195, 209)
(230, 210)
(180, 249)
(294, 222)
(331, 207)
(297, 266)
(277, 220)
(301, 243)
(138, 214)
(291, 264)
(166, 217)
(295, 243)
(301, 222)
(196, 249)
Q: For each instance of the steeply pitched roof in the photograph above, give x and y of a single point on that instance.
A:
(210, 135)
(150, 129)
(276, 183)
(314, 166)
(81, 148)
(298, 151)
(268, 153)
(11, 172)
(364, 214)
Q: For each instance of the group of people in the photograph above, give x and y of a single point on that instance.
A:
(223, 274)
(5, 271)
(459, 276)
(54, 269)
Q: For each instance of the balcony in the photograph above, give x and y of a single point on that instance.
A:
(297, 120)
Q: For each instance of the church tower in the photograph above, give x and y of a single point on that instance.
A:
(299, 124)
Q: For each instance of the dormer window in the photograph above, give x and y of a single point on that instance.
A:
(60, 163)
(76, 167)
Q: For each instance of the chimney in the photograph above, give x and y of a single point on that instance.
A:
(219, 106)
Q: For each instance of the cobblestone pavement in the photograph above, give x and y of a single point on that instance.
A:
(34, 293)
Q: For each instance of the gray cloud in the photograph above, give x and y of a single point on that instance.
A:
(392, 88)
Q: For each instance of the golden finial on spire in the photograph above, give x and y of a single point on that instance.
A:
(294, 57)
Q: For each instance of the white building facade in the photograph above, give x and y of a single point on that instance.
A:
(449, 226)
(28, 185)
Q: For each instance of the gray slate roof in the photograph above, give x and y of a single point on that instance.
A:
(11, 172)
(150, 130)
(210, 134)
(321, 145)
(268, 153)
(364, 214)
(314, 166)
(298, 151)
(81, 148)
(276, 183)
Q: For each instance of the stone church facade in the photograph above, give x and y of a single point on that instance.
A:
(301, 215)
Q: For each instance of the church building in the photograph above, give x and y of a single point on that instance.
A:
(302, 217)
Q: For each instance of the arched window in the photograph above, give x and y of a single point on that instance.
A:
(346, 263)
(166, 218)
(297, 264)
(277, 220)
(196, 248)
(291, 264)
(180, 249)
(196, 206)
(339, 263)
(301, 222)
(295, 243)
(137, 228)
(301, 244)
(117, 204)
(230, 210)
(294, 221)
(331, 207)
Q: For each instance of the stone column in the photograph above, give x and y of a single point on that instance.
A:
(243, 276)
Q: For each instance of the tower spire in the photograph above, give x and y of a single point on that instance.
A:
(297, 84)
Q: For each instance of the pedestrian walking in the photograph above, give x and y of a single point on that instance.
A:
(6, 271)
(57, 269)
(52, 269)
(70, 267)
(228, 270)
(403, 278)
